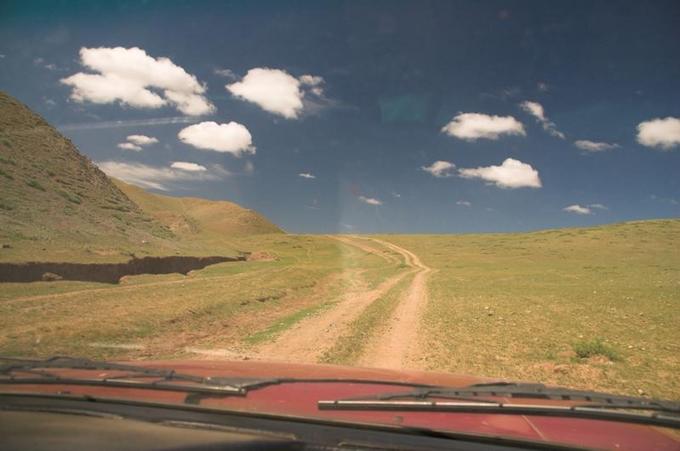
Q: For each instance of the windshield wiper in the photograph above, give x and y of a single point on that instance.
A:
(198, 387)
(597, 412)
(163, 379)
(473, 399)
(526, 391)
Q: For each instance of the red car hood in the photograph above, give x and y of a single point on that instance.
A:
(300, 400)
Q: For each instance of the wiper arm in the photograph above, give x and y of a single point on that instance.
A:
(527, 391)
(598, 411)
(164, 379)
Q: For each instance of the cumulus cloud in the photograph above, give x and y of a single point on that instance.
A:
(577, 209)
(537, 111)
(660, 133)
(142, 140)
(593, 146)
(440, 168)
(463, 203)
(129, 146)
(510, 174)
(276, 91)
(370, 200)
(231, 138)
(307, 175)
(136, 142)
(155, 177)
(131, 77)
(187, 166)
(473, 126)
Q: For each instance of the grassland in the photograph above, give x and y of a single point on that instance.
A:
(223, 306)
(593, 307)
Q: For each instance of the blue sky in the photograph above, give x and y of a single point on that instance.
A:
(540, 114)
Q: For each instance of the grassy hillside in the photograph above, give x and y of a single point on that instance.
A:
(588, 307)
(200, 223)
(56, 205)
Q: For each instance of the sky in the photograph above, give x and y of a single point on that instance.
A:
(368, 116)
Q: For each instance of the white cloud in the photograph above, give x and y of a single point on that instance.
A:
(511, 174)
(187, 166)
(599, 206)
(593, 146)
(142, 140)
(276, 91)
(307, 175)
(273, 90)
(537, 111)
(314, 82)
(397, 195)
(577, 209)
(232, 138)
(542, 86)
(439, 168)
(136, 142)
(226, 73)
(370, 200)
(154, 177)
(662, 133)
(131, 77)
(129, 146)
(463, 203)
(473, 126)
(311, 80)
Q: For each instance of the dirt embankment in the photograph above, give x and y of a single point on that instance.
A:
(105, 272)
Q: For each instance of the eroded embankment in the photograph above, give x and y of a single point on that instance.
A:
(105, 272)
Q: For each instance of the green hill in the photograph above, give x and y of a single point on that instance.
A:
(56, 205)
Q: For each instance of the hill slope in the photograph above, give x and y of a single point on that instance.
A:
(55, 204)
(193, 219)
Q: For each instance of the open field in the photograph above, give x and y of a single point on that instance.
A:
(591, 308)
(522, 305)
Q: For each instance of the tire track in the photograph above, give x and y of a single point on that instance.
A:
(398, 345)
(308, 339)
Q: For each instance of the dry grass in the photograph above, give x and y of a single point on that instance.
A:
(523, 306)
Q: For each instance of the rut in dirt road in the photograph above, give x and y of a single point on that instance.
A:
(307, 340)
(398, 344)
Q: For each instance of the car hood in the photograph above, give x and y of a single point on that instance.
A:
(330, 382)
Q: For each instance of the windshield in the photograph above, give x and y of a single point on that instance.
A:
(483, 189)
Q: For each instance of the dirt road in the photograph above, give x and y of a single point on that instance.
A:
(397, 342)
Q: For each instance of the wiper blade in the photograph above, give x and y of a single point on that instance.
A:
(597, 412)
(163, 379)
(517, 390)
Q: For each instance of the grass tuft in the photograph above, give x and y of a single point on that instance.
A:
(34, 184)
(585, 349)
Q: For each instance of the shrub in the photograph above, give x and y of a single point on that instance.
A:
(70, 197)
(6, 175)
(590, 348)
(34, 184)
